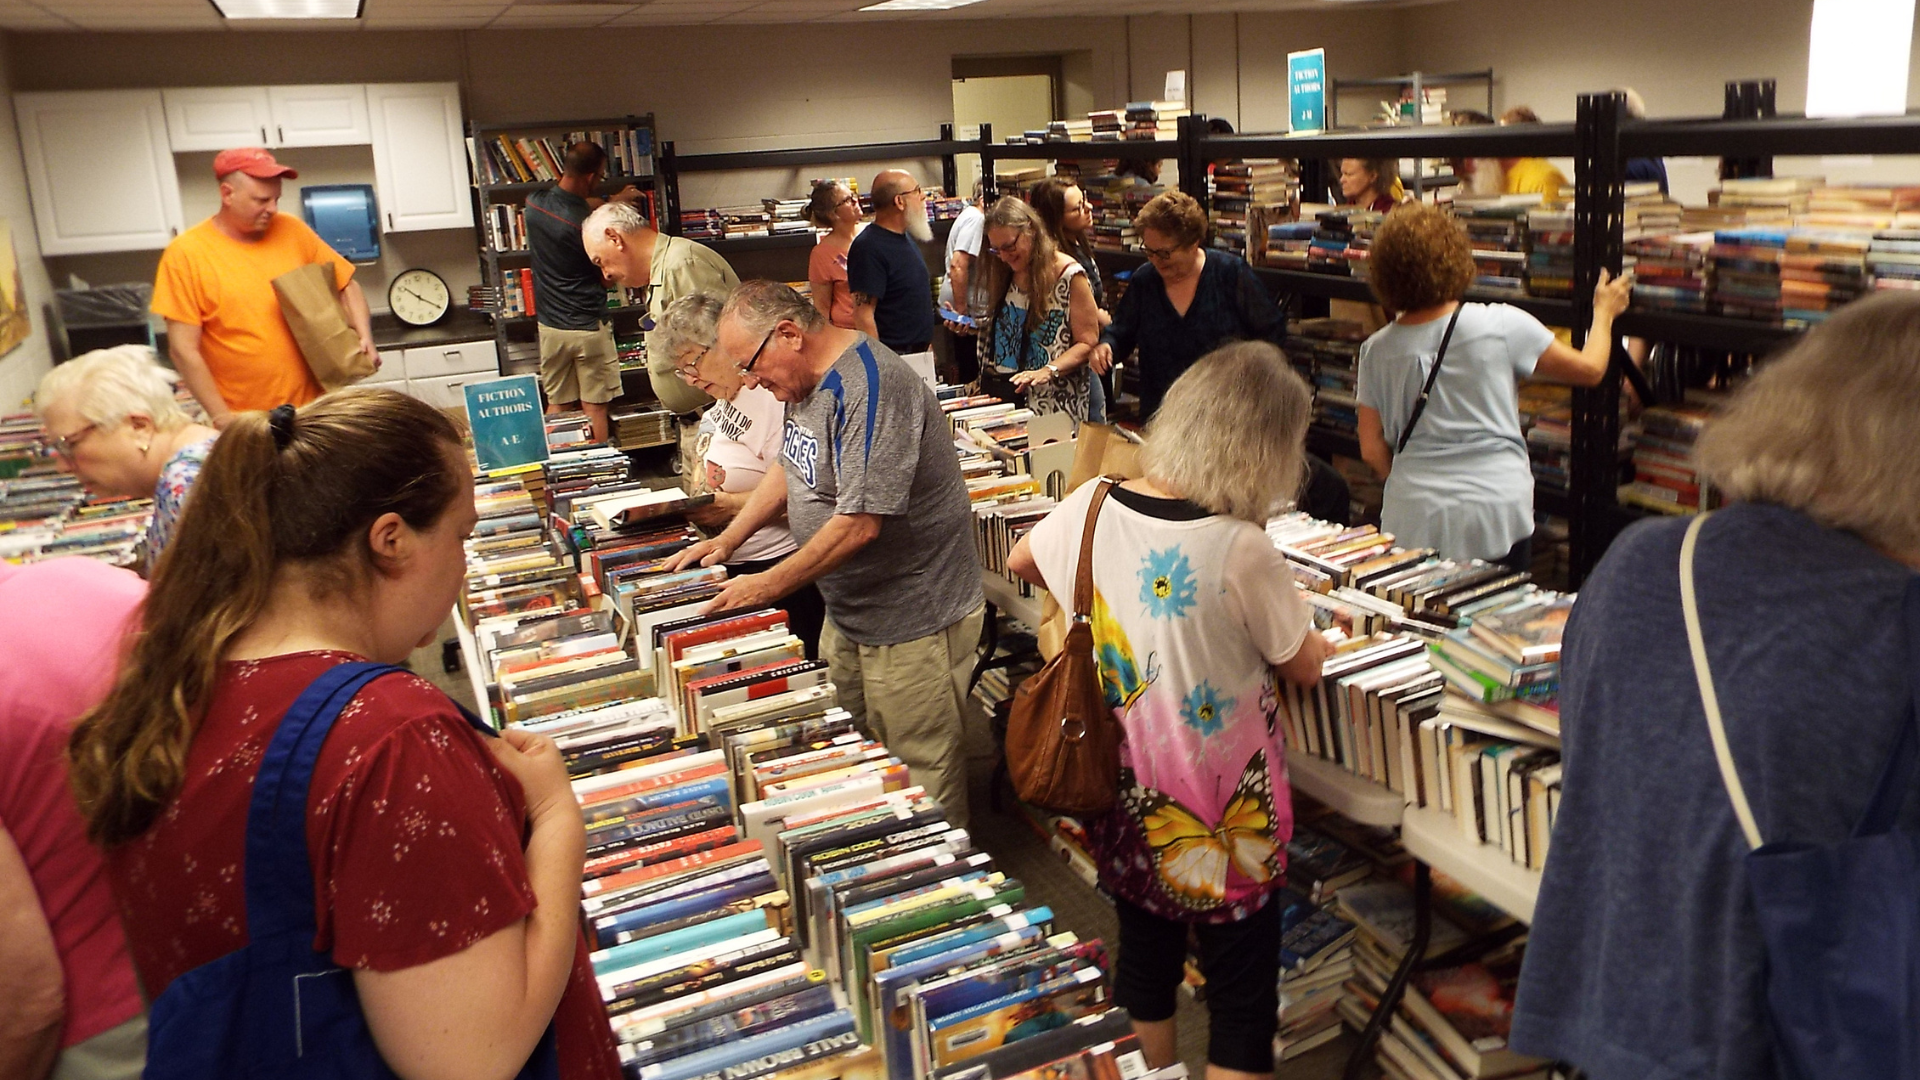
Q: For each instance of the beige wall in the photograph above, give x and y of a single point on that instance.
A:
(20, 370)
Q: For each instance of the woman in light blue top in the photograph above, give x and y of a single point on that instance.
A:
(1458, 476)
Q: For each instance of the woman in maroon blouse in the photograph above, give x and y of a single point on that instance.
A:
(446, 865)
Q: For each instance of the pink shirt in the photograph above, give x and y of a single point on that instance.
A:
(828, 262)
(59, 645)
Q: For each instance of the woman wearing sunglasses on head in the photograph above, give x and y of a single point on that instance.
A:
(1043, 322)
(1185, 302)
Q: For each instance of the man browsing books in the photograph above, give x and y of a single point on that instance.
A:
(892, 290)
(225, 333)
(871, 489)
(578, 361)
(629, 251)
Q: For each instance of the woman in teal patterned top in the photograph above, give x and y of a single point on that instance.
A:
(1043, 323)
(113, 419)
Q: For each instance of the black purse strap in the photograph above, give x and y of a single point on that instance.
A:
(1426, 391)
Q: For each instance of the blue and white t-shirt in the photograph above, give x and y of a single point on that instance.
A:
(871, 439)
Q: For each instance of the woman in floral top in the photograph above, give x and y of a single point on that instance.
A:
(1195, 620)
(112, 418)
(1044, 322)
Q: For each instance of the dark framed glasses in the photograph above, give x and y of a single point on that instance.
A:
(748, 369)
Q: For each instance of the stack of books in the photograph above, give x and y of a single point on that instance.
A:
(1546, 419)
(1820, 272)
(1746, 273)
(704, 224)
(1070, 131)
(1107, 125)
(1664, 478)
(1497, 228)
(1670, 273)
(512, 564)
(1364, 224)
(1155, 120)
(1893, 259)
(1327, 250)
(1453, 1022)
(1550, 253)
(515, 293)
(640, 427)
(567, 430)
(1765, 198)
(1863, 207)
(1648, 212)
(1288, 244)
(1316, 960)
(746, 220)
(1327, 354)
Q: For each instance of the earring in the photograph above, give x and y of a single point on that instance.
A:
(145, 446)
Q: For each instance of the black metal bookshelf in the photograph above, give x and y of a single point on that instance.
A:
(1417, 81)
(488, 195)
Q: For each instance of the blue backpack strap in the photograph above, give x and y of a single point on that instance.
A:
(279, 877)
(1897, 776)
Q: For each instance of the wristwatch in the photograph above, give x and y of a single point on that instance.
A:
(1053, 371)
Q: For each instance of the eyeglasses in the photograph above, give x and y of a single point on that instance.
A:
(845, 201)
(1007, 249)
(917, 190)
(748, 370)
(691, 368)
(1163, 254)
(64, 444)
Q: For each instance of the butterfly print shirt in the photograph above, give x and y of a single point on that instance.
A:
(1190, 612)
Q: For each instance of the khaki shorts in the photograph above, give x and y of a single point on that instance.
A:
(579, 365)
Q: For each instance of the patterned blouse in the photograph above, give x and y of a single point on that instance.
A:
(170, 495)
(1015, 348)
(413, 832)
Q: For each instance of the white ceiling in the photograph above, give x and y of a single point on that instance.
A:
(94, 15)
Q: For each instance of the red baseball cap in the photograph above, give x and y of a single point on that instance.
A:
(252, 160)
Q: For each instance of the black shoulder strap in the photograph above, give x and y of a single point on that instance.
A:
(1426, 391)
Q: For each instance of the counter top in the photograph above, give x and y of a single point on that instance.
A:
(461, 324)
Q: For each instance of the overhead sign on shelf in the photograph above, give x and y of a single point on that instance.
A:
(504, 415)
(1307, 90)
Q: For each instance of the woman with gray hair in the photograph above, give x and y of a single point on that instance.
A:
(1195, 620)
(1646, 956)
(112, 417)
(739, 439)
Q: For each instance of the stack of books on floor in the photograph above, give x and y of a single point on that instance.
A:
(1664, 478)
(642, 427)
(1326, 352)
(1497, 230)
(1670, 272)
(1155, 119)
(1316, 960)
(1550, 253)
(1452, 1022)
(1820, 272)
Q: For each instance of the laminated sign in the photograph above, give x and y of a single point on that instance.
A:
(1307, 89)
(507, 426)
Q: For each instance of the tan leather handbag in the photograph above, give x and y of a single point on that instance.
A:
(1063, 743)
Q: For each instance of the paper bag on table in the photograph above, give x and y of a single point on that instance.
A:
(1099, 450)
(312, 309)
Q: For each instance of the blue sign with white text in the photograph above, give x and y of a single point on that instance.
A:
(508, 429)
(1307, 89)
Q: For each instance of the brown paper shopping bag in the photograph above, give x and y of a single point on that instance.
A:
(1098, 450)
(312, 308)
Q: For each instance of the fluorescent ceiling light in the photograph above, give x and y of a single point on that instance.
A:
(918, 5)
(289, 9)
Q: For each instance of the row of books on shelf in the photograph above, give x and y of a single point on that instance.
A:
(1139, 120)
(1246, 199)
(1443, 684)
(788, 216)
(508, 159)
(45, 512)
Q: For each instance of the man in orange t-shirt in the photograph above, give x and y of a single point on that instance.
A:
(225, 332)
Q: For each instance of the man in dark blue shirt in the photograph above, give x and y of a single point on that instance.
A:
(578, 360)
(887, 272)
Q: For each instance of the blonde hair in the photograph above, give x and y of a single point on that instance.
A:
(106, 386)
(1829, 427)
(1230, 433)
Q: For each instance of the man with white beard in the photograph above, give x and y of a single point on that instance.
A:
(887, 273)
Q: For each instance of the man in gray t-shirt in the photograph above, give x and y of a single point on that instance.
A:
(870, 486)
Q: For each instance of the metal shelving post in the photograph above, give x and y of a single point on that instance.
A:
(1598, 210)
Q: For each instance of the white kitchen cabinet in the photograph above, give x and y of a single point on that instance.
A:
(392, 372)
(325, 115)
(222, 117)
(419, 156)
(217, 117)
(100, 170)
(446, 391)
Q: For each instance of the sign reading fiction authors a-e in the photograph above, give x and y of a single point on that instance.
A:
(1307, 90)
(507, 426)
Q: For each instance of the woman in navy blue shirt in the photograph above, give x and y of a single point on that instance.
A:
(1185, 302)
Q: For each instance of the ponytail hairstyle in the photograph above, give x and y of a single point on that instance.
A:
(278, 489)
(821, 204)
(1012, 213)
